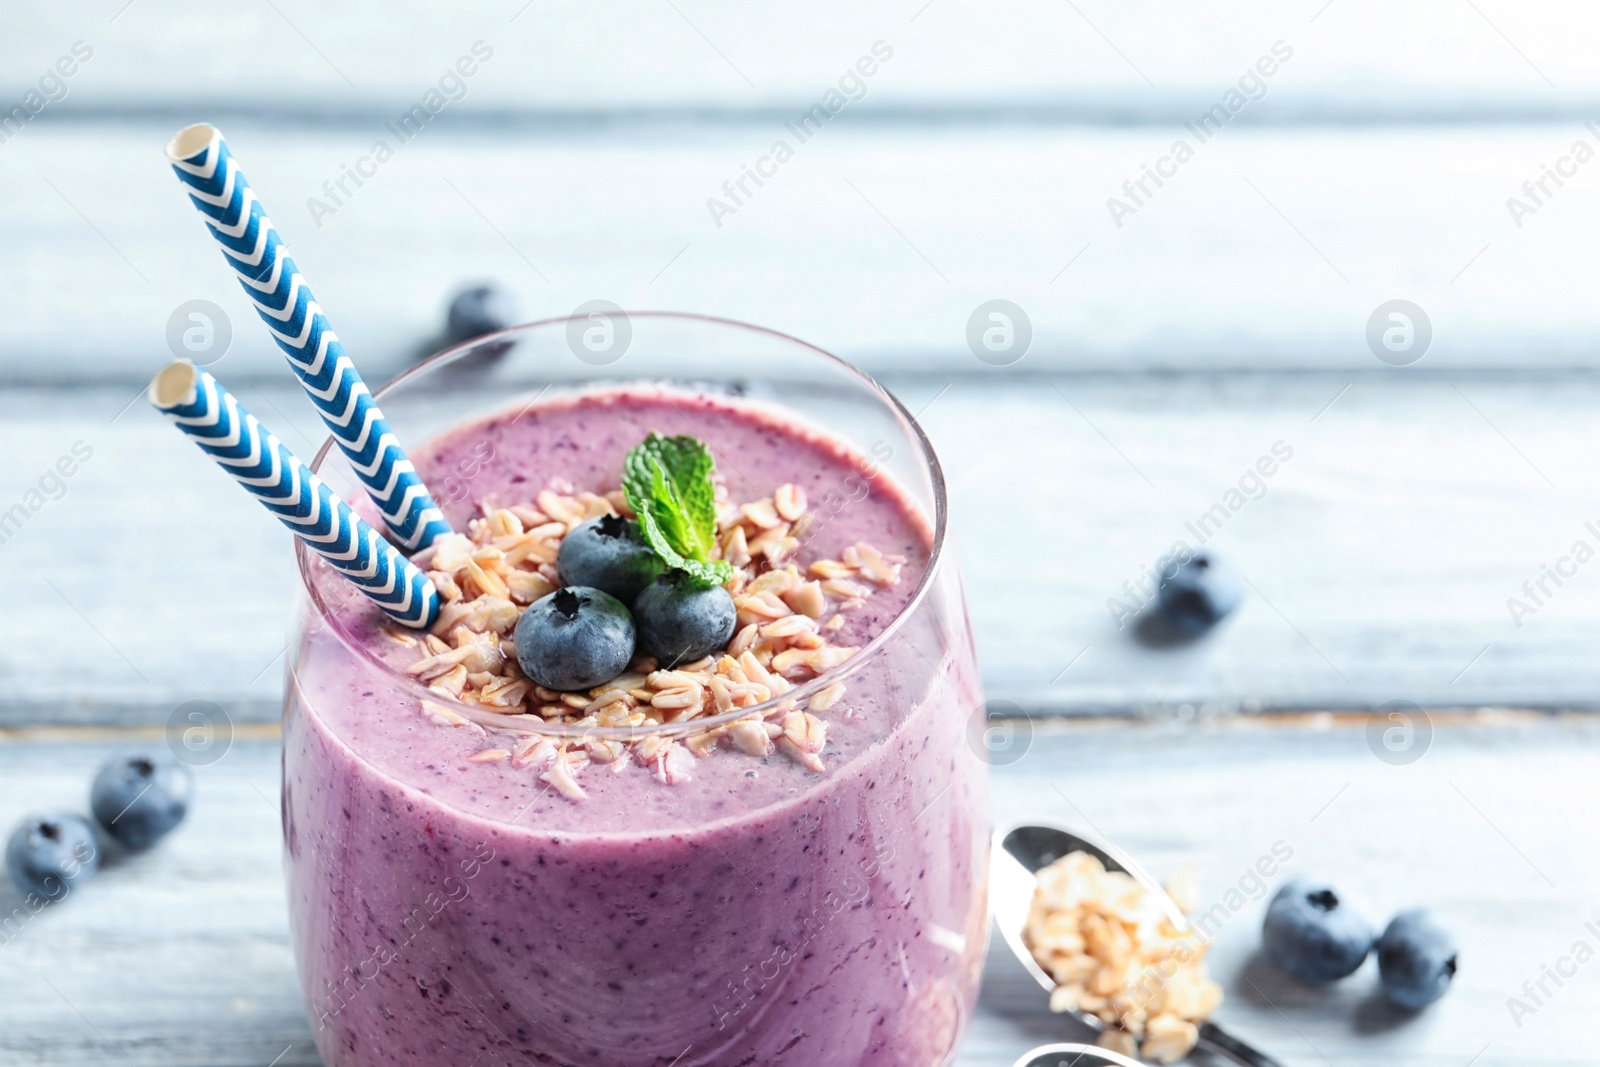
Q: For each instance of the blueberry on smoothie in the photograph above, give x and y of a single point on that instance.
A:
(575, 638)
(478, 310)
(1311, 934)
(1416, 959)
(1197, 593)
(680, 621)
(608, 554)
(138, 799)
(50, 854)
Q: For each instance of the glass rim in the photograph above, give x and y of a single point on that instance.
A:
(799, 692)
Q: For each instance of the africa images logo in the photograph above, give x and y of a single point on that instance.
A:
(851, 87)
(51, 87)
(450, 87)
(1251, 86)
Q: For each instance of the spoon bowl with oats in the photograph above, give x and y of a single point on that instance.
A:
(1111, 945)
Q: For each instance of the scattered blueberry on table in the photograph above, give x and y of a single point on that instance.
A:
(608, 554)
(48, 855)
(1197, 593)
(478, 310)
(680, 622)
(1416, 959)
(1310, 933)
(138, 799)
(575, 638)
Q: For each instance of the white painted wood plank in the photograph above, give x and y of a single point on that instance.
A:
(1271, 248)
(1113, 59)
(1466, 830)
(1382, 554)
(180, 958)
(1380, 557)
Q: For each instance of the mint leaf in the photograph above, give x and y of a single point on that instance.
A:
(667, 481)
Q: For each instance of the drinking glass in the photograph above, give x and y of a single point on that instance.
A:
(840, 922)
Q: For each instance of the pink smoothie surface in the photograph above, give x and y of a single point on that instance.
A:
(761, 913)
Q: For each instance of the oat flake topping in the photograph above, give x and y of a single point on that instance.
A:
(786, 615)
(1114, 953)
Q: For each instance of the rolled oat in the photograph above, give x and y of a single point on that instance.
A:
(489, 575)
(1114, 953)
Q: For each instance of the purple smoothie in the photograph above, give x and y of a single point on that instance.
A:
(446, 911)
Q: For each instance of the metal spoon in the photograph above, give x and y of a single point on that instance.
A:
(1074, 1056)
(1021, 850)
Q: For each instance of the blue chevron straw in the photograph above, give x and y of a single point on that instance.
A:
(200, 407)
(269, 277)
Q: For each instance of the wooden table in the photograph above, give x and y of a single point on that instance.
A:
(1171, 349)
(181, 956)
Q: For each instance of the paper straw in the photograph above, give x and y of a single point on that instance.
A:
(268, 274)
(200, 407)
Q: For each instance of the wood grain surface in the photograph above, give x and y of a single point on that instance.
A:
(1177, 341)
(181, 958)
(1380, 556)
(1271, 248)
(1469, 62)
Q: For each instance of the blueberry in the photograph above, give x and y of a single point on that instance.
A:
(1416, 959)
(1312, 935)
(478, 310)
(138, 799)
(50, 854)
(679, 623)
(575, 638)
(1197, 593)
(609, 554)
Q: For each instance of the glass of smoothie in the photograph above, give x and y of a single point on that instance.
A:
(774, 853)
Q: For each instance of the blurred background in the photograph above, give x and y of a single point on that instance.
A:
(1352, 237)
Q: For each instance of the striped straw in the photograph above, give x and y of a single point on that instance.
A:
(200, 407)
(269, 277)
